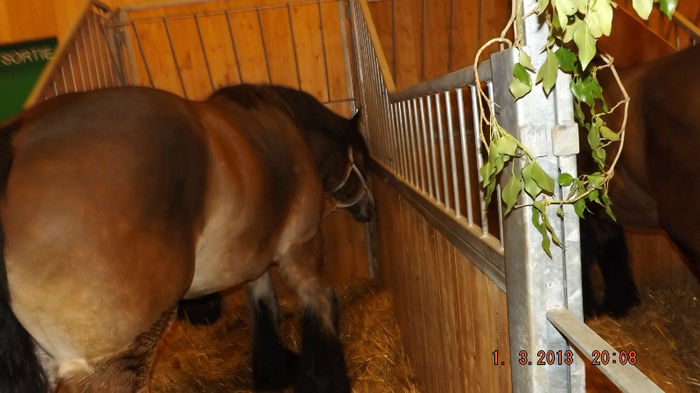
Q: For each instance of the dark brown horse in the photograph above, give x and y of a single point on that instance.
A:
(657, 180)
(118, 203)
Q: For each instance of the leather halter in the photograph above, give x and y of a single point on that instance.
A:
(349, 170)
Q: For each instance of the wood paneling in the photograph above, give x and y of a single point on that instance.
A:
(452, 317)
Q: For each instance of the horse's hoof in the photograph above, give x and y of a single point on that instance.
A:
(278, 370)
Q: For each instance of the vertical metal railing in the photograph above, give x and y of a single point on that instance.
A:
(84, 61)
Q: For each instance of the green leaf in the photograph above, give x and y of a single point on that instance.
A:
(510, 192)
(580, 207)
(541, 6)
(548, 72)
(609, 134)
(595, 179)
(586, 89)
(542, 179)
(668, 7)
(565, 180)
(521, 83)
(608, 204)
(567, 59)
(504, 145)
(541, 227)
(530, 184)
(586, 44)
(599, 18)
(593, 196)
(525, 60)
(643, 7)
(560, 212)
(564, 8)
(571, 29)
(485, 172)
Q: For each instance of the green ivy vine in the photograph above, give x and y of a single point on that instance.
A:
(574, 28)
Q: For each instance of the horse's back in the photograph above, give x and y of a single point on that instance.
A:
(102, 203)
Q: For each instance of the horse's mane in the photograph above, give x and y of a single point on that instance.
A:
(304, 109)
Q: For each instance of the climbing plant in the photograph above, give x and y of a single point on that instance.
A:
(574, 28)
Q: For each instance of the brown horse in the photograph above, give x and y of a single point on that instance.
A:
(657, 180)
(118, 203)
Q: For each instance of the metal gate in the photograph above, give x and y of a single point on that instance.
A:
(426, 138)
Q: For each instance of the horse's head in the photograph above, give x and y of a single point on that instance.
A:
(344, 171)
(338, 149)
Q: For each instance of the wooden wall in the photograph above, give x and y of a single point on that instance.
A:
(451, 315)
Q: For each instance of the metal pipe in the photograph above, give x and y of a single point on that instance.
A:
(143, 55)
(80, 65)
(465, 158)
(416, 130)
(172, 52)
(443, 161)
(426, 150)
(87, 60)
(262, 39)
(233, 46)
(294, 45)
(432, 150)
(479, 159)
(449, 81)
(72, 72)
(204, 52)
(94, 53)
(323, 48)
(453, 159)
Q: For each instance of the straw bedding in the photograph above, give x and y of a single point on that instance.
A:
(216, 358)
(664, 331)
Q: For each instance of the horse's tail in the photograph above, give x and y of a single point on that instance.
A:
(20, 370)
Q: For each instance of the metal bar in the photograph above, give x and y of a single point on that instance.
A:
(63, 77)
(489, 86)
(399, 141)
(419, 146)
(450, 81)
(409, 143)
(294, 45)
(405, 141)
(479, 158)
(143, 55)
(233, 46)
(453, 158)
(323, 48)
(443, 161)
(72, 72)
(80, 65)
(432, 150)
(172, 52)
(87, 60)
(94, 53)
(103, 59)
(262, 38)
(426, 150)
(204, 52)
(625, 376)
(55, 89)
(465, 158)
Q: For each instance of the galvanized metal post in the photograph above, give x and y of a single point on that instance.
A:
(535, 282)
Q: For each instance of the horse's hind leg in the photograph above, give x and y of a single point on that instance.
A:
(322, 362)
(124, 372)
(274, 366)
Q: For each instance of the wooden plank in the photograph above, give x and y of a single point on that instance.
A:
(465, 34)
(381, 58)
(382, 14)
(408, 46)
(279, 48)
(249, 47)
(308, 41)
(437, 35)
(335, 62)
(219, 50)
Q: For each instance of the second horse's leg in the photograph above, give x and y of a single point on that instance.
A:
(322, 361)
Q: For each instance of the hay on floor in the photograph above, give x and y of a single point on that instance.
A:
(664, 331)
(216, 358)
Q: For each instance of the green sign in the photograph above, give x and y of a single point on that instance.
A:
(20, 66)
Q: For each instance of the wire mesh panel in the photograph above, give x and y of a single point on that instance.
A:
(83, 62)
(192, 50)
